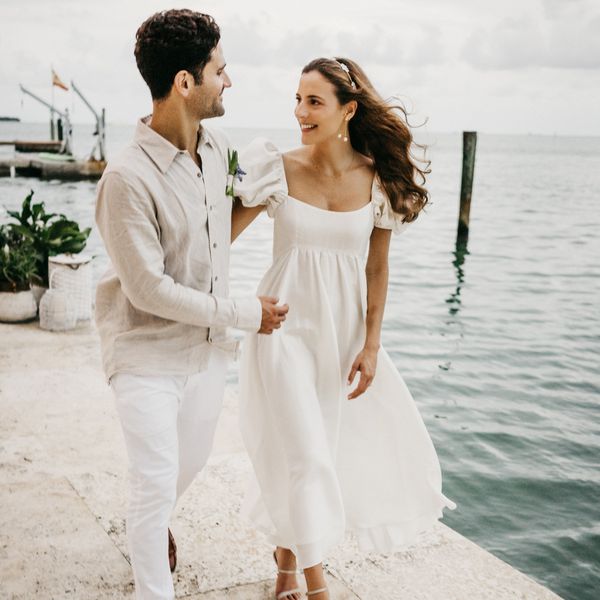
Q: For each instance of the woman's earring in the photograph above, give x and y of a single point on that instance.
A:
(343, 135)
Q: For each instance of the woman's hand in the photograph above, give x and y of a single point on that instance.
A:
(366, 363)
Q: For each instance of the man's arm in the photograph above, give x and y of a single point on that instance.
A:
(130, 231)
(242, 216)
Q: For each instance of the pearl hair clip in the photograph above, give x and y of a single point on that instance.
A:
(346, 70)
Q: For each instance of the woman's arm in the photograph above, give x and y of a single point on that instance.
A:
(242, 216)
(377, 282)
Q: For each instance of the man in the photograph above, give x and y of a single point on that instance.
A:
(162, 309)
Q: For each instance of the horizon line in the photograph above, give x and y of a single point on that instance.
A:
(416, 130)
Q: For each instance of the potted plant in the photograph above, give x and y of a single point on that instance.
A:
(18, 263)
(49, 233)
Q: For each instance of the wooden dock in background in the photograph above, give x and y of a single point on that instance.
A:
(35, 165)
(33, 145)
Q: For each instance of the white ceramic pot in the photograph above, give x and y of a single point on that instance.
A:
(38, 292)
(17, 306)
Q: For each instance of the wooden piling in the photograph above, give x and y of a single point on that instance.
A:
(466, 186)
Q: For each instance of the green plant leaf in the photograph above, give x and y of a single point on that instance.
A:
(26, 212)
(46, 233)
(22, 230)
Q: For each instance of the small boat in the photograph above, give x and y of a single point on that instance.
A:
(53, 159)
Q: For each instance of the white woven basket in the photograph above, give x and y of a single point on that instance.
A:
(72, 274)
(57, 311)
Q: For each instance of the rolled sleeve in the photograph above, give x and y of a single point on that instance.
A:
(248, 314)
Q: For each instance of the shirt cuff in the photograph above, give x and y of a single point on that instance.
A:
(248, 313)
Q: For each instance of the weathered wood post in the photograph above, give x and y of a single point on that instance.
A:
(466, 185)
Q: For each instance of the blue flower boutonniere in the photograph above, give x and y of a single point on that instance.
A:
(234, 171)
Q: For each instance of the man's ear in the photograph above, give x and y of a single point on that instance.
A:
(182, 83)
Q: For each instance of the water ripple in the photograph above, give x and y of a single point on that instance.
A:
(500, 346)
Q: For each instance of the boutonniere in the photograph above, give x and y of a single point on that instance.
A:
(234, 171)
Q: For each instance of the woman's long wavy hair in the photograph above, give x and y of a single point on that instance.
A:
(380, 130)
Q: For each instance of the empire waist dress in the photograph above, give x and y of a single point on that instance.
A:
(323, 464)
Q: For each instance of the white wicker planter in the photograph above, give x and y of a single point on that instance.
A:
(57, 311)
(72, 274)
(17, 306)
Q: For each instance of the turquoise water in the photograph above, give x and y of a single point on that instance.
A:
(500, 346)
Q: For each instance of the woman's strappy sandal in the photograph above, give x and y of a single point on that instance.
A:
(286, 593)
(319, 591)
(172, 552)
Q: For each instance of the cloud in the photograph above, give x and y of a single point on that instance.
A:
(254, 43)
(243, 42)
(373, 46)
(429, 48)
(561, 38)
(554, 9)
(465, 63)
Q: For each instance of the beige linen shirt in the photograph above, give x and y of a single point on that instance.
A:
(166, 225)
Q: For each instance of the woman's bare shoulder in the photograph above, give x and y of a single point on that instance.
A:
(296, 159)
(297, 155)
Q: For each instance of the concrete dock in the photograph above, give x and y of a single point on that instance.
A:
(63, 497)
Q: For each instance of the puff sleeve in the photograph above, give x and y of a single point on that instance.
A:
(264, 182)
(385, 217)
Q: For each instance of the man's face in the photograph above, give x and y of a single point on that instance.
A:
(208, 96)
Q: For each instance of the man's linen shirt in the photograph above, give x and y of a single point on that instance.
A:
(166, 225)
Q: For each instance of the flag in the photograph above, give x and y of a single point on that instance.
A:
(57, 81)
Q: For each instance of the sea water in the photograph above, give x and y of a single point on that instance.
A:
(500, 345)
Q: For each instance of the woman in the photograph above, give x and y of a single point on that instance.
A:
(329, 458)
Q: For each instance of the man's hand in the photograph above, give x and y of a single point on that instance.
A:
(272, 314)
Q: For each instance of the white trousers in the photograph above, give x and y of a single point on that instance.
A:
(169, 424)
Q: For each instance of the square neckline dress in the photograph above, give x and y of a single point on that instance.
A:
(325, 465)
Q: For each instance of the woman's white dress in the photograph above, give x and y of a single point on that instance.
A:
(324, 464)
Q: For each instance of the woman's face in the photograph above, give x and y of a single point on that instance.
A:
(318, 111)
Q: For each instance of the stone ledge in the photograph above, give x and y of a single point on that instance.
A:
(63, 486)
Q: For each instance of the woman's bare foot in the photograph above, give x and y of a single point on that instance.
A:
(286, 581)
(315, 580)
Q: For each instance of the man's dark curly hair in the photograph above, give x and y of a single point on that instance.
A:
(171, 41)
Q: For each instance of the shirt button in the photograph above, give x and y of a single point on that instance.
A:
(215, 245)
(199, 174)
(216, 278)
(210, 207)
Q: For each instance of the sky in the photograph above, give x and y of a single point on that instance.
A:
(510, 66)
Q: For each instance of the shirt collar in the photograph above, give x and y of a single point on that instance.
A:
(158, 148)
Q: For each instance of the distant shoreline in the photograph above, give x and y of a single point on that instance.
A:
(418, 132)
